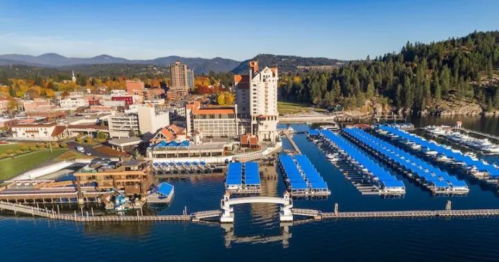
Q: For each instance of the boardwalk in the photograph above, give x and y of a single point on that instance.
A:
(407, 214)
(477, 133)
(289, 136)
(40, 212)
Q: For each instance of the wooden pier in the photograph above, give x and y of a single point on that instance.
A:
(86, 217)
(195, 217)
(415, 214)
(289, 136)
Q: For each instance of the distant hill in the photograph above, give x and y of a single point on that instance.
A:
(287, 63)
(199, 65)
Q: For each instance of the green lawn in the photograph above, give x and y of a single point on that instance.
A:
(16, 146)
(293, 108)
(12, 167)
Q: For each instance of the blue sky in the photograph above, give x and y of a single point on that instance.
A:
(143, 29)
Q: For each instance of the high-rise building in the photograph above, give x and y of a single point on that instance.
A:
(179, 81)
(190, 78)
(256, 102)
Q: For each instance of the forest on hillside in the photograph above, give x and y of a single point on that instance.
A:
(417, 78)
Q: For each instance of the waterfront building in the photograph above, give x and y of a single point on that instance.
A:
(130, 176)
(256, 102)
(210, 121)
(179, 87)
(185, 149)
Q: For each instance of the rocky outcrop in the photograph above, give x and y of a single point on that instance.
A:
(447, 108)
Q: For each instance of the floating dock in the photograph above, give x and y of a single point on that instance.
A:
(243, 178)
(417, 169)
(384, 183)
(477, 168)
(301, 177)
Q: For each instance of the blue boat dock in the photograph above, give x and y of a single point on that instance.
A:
(243, 178)
(472, 166)
(415, 168)
(301, 177)
(372, 178)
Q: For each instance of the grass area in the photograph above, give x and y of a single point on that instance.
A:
(14, 147)
(294, 108)
(11, 167)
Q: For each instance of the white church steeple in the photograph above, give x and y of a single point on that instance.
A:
(74, 77)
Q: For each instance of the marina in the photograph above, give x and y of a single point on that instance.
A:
(372, 178)
(429, 176)
(301, 177)
(478, 169)
(482, 145)
(243, 178)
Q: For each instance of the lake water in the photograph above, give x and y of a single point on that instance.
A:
(257, 234)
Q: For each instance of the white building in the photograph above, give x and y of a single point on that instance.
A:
(38, 132)
(152, 119)
(73, 103)
(120, 125)
(145, 119)
(256, 99)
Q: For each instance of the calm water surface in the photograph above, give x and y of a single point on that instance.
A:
(257, 233)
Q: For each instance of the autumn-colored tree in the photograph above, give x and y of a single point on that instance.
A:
(221, 99)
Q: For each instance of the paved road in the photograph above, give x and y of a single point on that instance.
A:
(88, 149)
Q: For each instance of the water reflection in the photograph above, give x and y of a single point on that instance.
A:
(283, 237)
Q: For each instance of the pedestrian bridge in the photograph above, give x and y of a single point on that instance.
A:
(226, 204)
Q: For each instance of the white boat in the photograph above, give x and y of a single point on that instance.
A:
(443, 158)
(333, 127)
(437, 130)
(333, 157)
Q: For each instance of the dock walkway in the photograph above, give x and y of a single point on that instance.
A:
(40, 212)
(478, 133)
(289, 136)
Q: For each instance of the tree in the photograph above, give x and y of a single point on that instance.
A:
(221, 99)
(370, 89)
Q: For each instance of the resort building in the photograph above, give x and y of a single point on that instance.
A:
(179, 87)
(210, 121)
(132, 177)
(256, 102)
